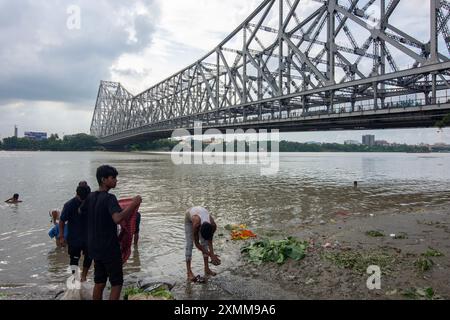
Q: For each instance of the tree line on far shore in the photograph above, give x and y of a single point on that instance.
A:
(85, 142)
(284, 146)
(77, 142)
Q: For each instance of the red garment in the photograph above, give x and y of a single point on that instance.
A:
(127, 230)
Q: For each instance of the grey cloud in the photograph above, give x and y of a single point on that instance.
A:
(41, 59)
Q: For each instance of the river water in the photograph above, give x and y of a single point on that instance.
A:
(308, 188)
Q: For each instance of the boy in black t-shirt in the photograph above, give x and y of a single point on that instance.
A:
(77, 235)
(104, 214)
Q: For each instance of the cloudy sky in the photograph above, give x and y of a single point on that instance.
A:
(51, 66)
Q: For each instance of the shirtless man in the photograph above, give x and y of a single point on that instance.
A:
(14, 199)
(199, 227)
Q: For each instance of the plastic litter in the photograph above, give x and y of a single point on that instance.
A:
(75, 289)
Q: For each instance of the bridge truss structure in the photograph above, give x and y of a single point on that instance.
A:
(300, 65)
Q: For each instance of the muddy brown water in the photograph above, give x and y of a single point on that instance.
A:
(307, 189)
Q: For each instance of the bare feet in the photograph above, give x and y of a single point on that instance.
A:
(209, 272)
(191, 277)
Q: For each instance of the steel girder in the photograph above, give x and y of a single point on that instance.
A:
(276, 63)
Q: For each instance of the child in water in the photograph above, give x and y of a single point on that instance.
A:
(54, 231)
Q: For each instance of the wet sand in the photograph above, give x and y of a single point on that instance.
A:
(333, 272)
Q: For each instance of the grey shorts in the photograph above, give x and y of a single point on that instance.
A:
(190, 237)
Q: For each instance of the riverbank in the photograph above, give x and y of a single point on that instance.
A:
(414, 263)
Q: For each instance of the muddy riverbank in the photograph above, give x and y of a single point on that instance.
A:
(312, 197)
(411, 248)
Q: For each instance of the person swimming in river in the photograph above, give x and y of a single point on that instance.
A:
(199, 228)
(14, 199)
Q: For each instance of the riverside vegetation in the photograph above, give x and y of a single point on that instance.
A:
(85, 142)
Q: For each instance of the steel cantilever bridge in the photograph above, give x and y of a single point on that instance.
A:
(299, 65)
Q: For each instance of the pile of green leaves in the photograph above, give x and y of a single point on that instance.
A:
(132, 291)
(160, 292)
(275, 250)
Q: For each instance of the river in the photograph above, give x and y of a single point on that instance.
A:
(308, 188)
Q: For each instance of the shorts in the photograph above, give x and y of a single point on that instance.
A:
(75, 255)
(112, 270)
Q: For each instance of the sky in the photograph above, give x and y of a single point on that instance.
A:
(51, 62)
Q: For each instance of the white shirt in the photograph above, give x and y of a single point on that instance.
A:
(201, 212)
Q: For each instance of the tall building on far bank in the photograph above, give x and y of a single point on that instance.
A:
(382, 143)
(16, 131)
(352, 142)
(368, 140)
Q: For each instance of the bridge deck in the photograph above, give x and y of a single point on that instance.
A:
(392, 118)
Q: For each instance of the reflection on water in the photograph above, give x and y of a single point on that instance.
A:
(58, 260)
(307, 189)
(134, 262)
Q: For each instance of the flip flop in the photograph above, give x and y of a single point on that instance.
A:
(199, 279)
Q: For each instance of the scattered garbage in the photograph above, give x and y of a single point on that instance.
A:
(240, 232)
(75, 289)
(401, 235)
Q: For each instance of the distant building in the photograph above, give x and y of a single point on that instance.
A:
(352, 142)
(36, 135)
(16, 131)
(368, 140)
(441, 145)
(382, 143)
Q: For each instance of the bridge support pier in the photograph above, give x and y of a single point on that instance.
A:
(375, 96)
(330, 107)
(433, 90)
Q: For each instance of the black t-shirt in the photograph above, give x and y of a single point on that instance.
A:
(76, 223)
(103, 243)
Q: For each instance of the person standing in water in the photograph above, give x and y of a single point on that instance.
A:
(54, 231)
(104, 214)
(77, 230)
